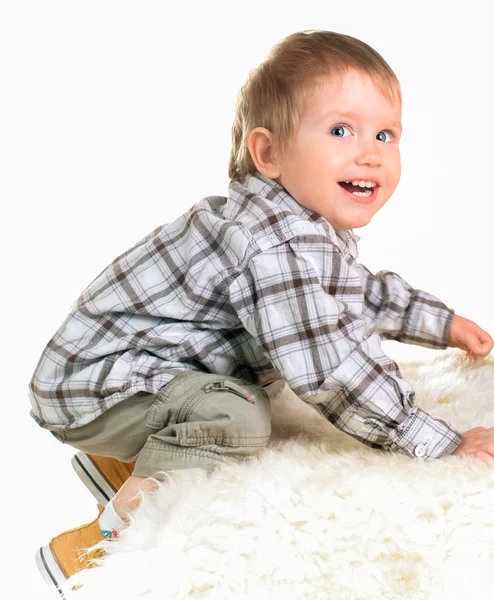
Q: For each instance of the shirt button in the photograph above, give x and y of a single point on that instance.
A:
(419, 450)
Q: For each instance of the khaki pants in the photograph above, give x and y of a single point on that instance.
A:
(196, 420)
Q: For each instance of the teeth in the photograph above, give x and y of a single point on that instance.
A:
(362, 183)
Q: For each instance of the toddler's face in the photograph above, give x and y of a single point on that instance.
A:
(332, 147)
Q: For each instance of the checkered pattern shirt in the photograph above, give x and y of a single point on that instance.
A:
(255, 286)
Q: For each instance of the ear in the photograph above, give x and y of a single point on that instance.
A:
(260, 147)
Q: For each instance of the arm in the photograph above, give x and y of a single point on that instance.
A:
(290, 298)
(401, 313)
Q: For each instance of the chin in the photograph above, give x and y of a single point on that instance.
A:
(355, 223)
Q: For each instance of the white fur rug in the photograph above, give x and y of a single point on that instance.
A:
(321, 516)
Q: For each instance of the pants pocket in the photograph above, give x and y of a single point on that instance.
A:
(216, 386)
(225, 413)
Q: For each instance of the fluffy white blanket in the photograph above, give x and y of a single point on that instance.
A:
(318, 515)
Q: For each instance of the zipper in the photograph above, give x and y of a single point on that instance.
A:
(190, 404)
(232, 387)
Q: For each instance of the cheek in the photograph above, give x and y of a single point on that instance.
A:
(398, 170)
(315, 153)
(394, 171)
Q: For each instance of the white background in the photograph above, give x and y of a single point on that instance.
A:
(116, 116)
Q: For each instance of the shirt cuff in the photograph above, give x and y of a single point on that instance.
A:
(421, 435)
(427, 322)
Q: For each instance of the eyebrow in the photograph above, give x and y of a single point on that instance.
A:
(352, 114)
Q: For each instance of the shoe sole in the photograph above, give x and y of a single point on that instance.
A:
(49, 569)
(92, 478)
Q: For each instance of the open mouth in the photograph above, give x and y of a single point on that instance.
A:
(358, 193)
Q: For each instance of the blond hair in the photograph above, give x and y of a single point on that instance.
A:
(274, 94)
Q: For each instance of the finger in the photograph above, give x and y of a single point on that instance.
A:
(484, 456)
(474, 345)
(484, 336)
(485, 349)
(476, 348)
(487, 345)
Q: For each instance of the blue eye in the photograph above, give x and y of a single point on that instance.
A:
(340, 127)
(390, 133)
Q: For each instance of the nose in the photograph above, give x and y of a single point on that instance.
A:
(369, 153)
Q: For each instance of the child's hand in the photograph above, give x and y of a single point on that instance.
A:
(468, 336)
(477, 442)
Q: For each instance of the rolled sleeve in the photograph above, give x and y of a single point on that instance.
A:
(397, 311)
(427, 321)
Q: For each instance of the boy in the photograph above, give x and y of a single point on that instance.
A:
(164, 358)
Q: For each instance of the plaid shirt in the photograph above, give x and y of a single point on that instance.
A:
(255, 286)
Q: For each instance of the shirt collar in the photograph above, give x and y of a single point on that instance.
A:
(259, 184)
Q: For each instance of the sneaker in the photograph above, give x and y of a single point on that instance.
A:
(102, 476)
(66, 554)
